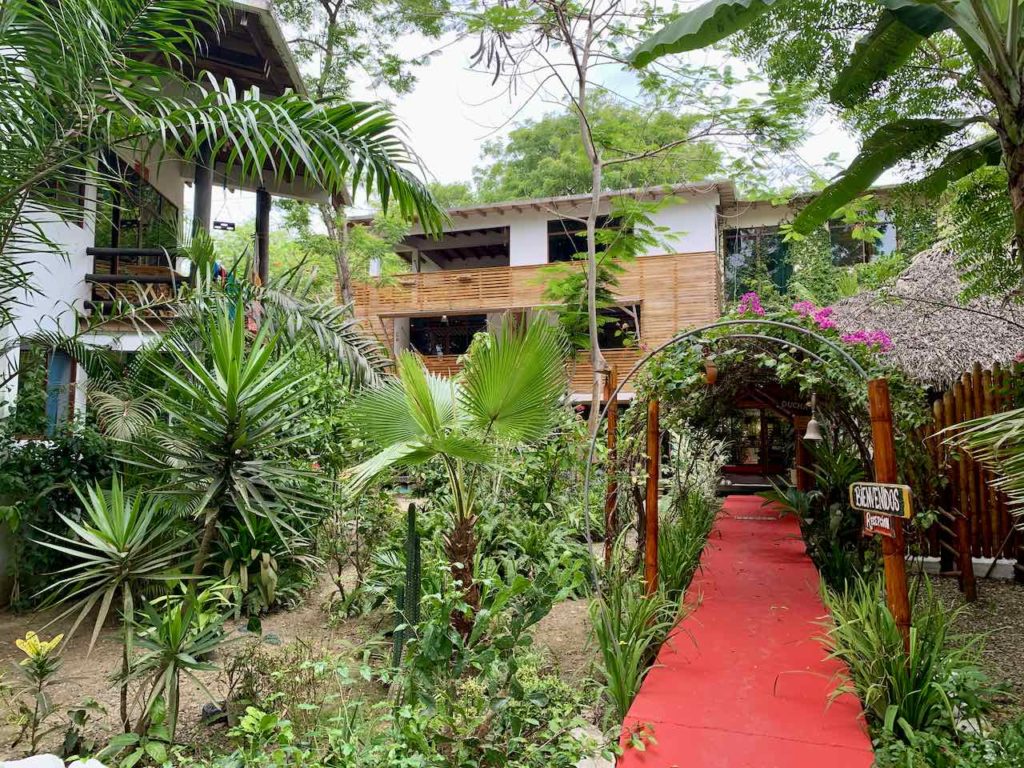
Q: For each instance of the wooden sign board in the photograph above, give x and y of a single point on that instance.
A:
(882, 499)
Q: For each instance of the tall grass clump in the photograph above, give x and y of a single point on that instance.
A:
(937, 685)
(629, 626)
(681, 539)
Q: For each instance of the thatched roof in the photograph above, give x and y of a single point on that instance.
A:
(935, 336)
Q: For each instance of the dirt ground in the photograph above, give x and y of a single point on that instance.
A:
(562, 636)
(999, 615)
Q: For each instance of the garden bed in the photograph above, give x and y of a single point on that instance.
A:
(999, 615)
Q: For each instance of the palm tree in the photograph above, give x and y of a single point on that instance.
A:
(231, 402)
(81, 76)
(124, 542)
(992, 35)
(508, 393)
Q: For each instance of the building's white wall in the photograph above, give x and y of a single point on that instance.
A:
(690, 223)
(528, 239)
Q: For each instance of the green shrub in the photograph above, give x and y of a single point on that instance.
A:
(1001, 748)
(939, 683)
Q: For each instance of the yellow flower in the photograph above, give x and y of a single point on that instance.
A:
(35, 648)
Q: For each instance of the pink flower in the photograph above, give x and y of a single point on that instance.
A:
(823, 317)
(1019, 358)
(879, 339)
(750, 302)
(805, 308)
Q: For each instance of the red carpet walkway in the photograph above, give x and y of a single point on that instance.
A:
(743, 681)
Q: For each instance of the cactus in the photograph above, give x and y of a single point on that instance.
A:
(408, 597)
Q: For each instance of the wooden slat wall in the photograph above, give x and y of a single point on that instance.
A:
(675, 291)
(989, 525)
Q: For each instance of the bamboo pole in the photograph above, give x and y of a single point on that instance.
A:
(960, 523)
(991, 498)
(963, 469)
(651, 505)
(893, 547)
(944, 535)
(977, 473)
(611, 497)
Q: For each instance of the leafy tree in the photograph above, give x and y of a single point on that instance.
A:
(544, 158)
(973, 44)
(568, 46)
(454, 195)
(337, 40)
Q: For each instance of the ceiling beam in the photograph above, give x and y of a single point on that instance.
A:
(465, 240)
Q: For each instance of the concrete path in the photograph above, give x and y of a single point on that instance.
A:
(743, 681)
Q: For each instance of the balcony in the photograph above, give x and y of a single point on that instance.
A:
(134, 276)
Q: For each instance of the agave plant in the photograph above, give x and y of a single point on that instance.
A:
(508, 393)
(124, 542)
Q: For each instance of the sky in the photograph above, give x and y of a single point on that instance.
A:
(453, 110)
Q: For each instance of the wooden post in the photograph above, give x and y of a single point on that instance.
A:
(611, 496)
(802, 456)
(262, 249)
(893, 547)
(651, 505)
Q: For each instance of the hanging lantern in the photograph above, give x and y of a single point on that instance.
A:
(710, 371)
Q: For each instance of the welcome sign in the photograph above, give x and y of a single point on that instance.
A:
(881, 499)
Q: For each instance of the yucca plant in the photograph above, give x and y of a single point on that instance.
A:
(508, 392)
(125, 542)
(629, 627)
(174, 641)
(927, 689)
(231, 403)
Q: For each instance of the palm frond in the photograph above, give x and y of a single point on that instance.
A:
(511, 387)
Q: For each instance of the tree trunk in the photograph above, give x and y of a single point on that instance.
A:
(460, 548)
(206, 544)
(1014, 157)
(333, 215)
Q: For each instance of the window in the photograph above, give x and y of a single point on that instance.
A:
(848, 250)
(66, 196)
(620, 327)
(446, 334)
(752, 253)
(567, 238)
(131, 213)
(46, 392)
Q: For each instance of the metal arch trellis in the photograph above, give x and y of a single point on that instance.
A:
(694, 333)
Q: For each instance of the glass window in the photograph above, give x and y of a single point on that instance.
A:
(131, 213)
(620, 327)
(752, 253)
(848, 250)
(445, 334)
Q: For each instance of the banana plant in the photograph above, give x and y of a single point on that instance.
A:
(990, 33)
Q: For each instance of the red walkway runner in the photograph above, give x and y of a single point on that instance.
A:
(743, 681)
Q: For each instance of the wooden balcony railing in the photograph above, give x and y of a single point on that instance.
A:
(673, 291)
(116, 281)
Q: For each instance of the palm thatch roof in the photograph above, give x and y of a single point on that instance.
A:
(936, 337)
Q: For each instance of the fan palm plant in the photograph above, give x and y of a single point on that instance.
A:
(230, 402)
(991, 34)
(81, 76)
(508, 393)
(124, 542)
(998, 442)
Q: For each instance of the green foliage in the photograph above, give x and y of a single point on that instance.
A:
(629, 627)
(545, 157)
(37, 673)
(682, 534)
(174, 640)
(231, 402)
(1002, 747)
(28, 416)
(37, 481)
(977, 225)
(933, 688)
(122, 544)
